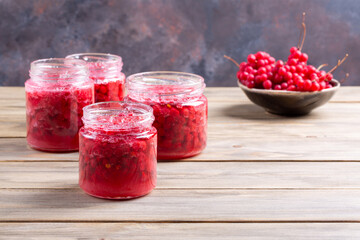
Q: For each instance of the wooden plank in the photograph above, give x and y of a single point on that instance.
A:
(182, 205)
(12, 115)
(194, 175)
(12, 119)
(344, 94)
(174, 231)
(242, 142)
(16, 149)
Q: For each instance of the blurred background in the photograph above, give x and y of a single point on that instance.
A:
(180, 35)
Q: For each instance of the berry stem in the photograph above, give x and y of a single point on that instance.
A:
(344, 79)
(339, 63)
(322, 65)
(303, 33)
(231, 59)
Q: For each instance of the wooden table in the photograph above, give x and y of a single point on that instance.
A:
(261, 176)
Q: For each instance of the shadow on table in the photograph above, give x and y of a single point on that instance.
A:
(254, 112)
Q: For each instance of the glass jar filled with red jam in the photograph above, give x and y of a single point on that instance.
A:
(56, 93)
(180, 110)
(105, 71)
(117, 150)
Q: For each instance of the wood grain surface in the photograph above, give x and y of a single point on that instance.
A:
(261, 176)
(181, 231)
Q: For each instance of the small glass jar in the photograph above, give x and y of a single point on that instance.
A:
(56, 92)
(105, 71)
(117, 150)
(180, 110)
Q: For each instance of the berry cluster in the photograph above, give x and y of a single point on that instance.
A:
(262, 72)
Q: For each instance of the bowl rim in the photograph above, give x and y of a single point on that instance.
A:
(284, 92)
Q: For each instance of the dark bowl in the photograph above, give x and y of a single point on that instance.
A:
(289, 103)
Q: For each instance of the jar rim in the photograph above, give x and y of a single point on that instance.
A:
(114, 61)
(173, 83)
(142, 113)
(58, 68)
(93, 56)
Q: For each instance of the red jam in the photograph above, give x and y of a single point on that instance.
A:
(55, 95)
(105, 71)
(117, 150)
(180, 110)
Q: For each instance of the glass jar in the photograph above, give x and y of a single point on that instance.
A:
(56, 92)
(105, 71)
(117, 150)
(180, 110)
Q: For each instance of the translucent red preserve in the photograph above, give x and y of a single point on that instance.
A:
(117, 150)
(180, 110)
(105, 71)
(55, 95)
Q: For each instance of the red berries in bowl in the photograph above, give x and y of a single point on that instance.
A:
(292, 82)
(261, 71)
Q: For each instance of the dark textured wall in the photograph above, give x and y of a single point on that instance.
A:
(181, 35)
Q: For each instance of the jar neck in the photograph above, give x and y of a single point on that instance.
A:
(164, 86)
(59, 71)
(101, 65)
(122, 117)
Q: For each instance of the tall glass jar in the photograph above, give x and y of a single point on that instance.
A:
(105, 71)
(180, 110)
(117, 150)
(56, 92)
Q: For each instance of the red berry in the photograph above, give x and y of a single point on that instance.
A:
(329, 76)
(299, 68)
(313, 77)
(242, 66)
(238, 75)
(304, 57)
(307, 85)
(322, 85)
(267, 84)
(290, 82)
(292, 62)
(277, 87)
(282, 71)
(291, 88)
(271, 60)
(262, 70)
(311, 69)
(284, 85)
(288, 76)
(278, 78)
(261, 62)
(293, 49)
(244, 75)
(263, 77)
(260, 55)
(249, 69)
(315, 86)
(279, 63)
(251, 58)
(300, 84)
(268, 68)
(296, 54)
(251, 84)
(251, 77)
